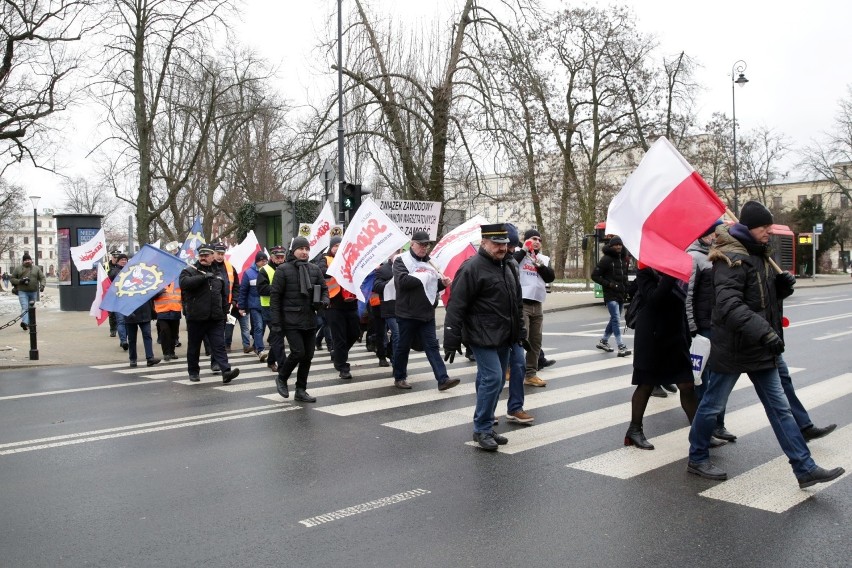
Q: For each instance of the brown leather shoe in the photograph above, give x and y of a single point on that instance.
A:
(535, 382)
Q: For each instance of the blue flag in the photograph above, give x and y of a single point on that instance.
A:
(188, 252)
(150, 270)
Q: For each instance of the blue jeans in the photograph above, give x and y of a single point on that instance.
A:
(767, 384)
(803, 420)
(257, 328)
(393, 326)
(145, 327)
(244, 331)
(517, 368)
(426, 329)
(122, 328)
(705, 376)
(612, 328)
(491, 365)
(25, 298)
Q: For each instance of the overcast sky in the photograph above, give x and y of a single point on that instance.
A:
(798, 57)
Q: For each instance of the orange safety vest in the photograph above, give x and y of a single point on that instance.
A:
(168, 300)
(334, 288)
(375, 300)
(230, 270)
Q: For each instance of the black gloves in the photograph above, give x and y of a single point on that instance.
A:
(773, 343)
(450, 353)
(209, 275)
(785, 280)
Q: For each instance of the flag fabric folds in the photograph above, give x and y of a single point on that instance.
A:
(242, 256)
(662, 208)
(320, 236)
(195, 238)
(85, 255)
(453, 267)
(95, 311)
(457, 241)
(149, 271)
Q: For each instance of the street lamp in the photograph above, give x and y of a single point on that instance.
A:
(737, 78)
(35, 199)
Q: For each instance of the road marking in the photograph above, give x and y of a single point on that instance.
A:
(815, 302)
(750, 488)
(81, 389)
(135, 429)
(363, 508)
(832, 335)
(412, 398)
(819, 320)
(626, 463)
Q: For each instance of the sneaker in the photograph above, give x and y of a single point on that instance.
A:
(133, 364)
(448, 384)
(263, 356)
(345, 375)
(547, 363)
(152, 361)
(215, 367)
(519, 416)
(659, 392)
(402, 385)
(604, 346)
(623, 351)
(194, 378)
(535, 382)
(820, 475)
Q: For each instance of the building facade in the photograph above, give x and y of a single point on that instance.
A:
(21, 239)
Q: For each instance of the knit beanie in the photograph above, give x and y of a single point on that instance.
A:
(531, 233)
(26, 257)
(754, 214)
(299, 242)
(616, 240)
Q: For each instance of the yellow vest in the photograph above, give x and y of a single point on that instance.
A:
(270, 272)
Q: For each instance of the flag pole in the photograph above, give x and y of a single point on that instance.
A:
(772, 262)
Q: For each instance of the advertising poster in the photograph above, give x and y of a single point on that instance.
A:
(88, 276)
(63, 241)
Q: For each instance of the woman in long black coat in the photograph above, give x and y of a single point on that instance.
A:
(661, 354)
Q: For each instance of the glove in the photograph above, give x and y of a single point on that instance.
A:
(450, 353)
(525, 344)
(209, 275)
(773, 343)
(785, 280)
(41, 288)
(693, 333)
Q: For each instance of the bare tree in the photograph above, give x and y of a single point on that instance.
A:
(11, 205)
(763, 151)
(831, 160)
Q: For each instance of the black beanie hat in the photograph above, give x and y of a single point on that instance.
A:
(754, 214)
(26, 257)
(334, 241)
(616, 240)
(299, 242)
(531, 233)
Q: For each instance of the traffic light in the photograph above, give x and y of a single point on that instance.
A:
(351, 195)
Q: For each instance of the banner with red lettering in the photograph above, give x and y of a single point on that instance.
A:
(369, 240)
(456, 241)
(86, 255)
(320, 232)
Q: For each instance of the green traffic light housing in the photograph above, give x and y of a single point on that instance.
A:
(351, 195)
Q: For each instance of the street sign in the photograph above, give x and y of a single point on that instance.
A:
(818, 228)
(328, 172)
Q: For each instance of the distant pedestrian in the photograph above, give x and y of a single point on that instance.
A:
(28, 279)
(140, 321)
(249, 302)
(167, 306)
(120, 263)
(611, 274)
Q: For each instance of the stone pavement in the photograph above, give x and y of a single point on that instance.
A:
(74, 339)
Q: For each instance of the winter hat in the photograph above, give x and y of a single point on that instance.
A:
(421, 237)
(220, 247)
(260, 256)
(711, 229)
(754, 214)
(299, 242)
(277, 250)
(26, 257)
(513, 235)
(120, 256)
(616, 240)
(334, 241)
(531, 233)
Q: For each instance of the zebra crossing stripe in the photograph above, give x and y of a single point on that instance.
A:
(412, 398)
(626, 463)
(749, 488)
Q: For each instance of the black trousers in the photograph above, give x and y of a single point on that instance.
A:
(168, 331)
(213, 331)
(345, 329)
(113, 324)
(302, 343)
(379, 331)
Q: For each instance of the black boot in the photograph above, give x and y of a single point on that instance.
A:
(635, 437)
(281, 385)
(303, 396)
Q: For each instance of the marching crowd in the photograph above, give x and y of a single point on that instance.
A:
(734, 298)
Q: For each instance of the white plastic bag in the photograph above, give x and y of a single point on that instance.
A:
(700, 351)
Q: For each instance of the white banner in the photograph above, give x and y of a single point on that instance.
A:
(413, 216)
(86, 255)
(319, 234)
(369, 240)
(456, 240)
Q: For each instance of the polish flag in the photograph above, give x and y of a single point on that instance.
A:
(242, 256)
(662, 208)
(103, 285)
(453, 268)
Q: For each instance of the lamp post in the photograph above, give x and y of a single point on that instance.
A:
(341, 179)
(737, 78)
(35, 199)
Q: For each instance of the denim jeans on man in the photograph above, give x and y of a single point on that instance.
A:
(612, 328)
(408, 328)
(491, 365)
(145, 328)
(257, 328)
(517, 366)
(767, 384)
(122, 327)
(393, 326)
(25, 298)
(705, 376)
(801, 415)
(244, 331)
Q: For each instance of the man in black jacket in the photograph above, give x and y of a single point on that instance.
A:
(747, 337)
(205, 303)
(485, 312)
(298, 291)
(418, 284)
(611, 274)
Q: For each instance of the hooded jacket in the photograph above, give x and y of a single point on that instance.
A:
(611, 274)
(748, 302)
(699, 294)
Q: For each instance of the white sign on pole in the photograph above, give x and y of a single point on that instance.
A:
(818, 229)
(413, 216)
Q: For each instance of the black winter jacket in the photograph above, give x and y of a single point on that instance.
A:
(384, 275)
(204, 298)
(292, 309)
(142, 314)
(485, 306)
(611, 274)
(662, 336)
(748, 303)
(411, 301)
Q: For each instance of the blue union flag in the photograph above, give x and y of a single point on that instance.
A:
(195, 238)
(150, 270)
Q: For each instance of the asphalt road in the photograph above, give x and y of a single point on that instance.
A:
(107, 467)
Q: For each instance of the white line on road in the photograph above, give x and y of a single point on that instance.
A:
(145, 428)
(81, 389)
(820, 320)
(363, 507)
(832, 335)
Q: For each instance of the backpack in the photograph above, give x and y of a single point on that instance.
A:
(631, 314)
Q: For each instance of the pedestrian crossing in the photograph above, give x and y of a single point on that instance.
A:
(583, 376)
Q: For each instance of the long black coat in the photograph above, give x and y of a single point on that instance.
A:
(290, 308)
(204, 298)
(662, 336)
(611, 274)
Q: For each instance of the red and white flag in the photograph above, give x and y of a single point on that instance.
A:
(453, 267)
(320, 236)
(103, 285)
(662, 208)
(369, 240)
(85, 255)
(457, 241)
(242, 256)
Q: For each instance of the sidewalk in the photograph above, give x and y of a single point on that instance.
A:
(74, 339)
